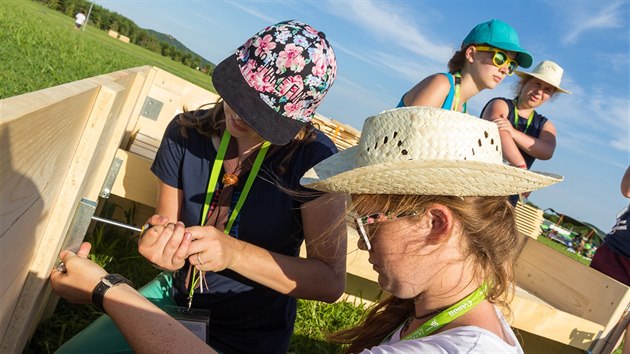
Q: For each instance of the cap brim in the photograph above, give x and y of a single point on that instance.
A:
(247, 103)
(433, 177)
(523, 57)
(524, 74)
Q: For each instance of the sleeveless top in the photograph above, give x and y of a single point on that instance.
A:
(448, 102)
(534, 129)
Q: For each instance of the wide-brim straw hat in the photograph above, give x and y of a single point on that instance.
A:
(425, 151)
(547, 71)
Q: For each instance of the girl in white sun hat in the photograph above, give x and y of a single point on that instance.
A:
(429, 191)
(527, 135)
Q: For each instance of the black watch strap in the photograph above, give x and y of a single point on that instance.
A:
(106, 283)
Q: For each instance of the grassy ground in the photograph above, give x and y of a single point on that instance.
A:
(563, 249)
(40, 49)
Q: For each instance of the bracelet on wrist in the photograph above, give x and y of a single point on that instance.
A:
(107, 282)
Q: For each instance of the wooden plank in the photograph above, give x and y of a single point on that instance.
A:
(34, 293)
(135, 180)
(534, 316)
(569, 285)
(32, 175)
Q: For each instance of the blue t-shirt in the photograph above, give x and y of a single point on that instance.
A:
(244, 316)
(538, 121)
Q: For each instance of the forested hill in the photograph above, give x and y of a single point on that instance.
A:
(167, 38)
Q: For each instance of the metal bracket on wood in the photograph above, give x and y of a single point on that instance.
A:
(151, 108)
(79, 224)
(111, 178)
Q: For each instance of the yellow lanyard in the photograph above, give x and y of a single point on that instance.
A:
(214, 177)
(529, 120)
(449, 315)
(458, 80)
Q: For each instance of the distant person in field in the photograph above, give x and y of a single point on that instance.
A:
(79, 20)
(527, 135)
(489, 53)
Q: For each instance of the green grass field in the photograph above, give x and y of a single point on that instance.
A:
(40, 48)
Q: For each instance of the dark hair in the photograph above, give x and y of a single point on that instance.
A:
(457, 61)
(209, 122)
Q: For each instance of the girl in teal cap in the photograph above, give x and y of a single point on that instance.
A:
(489, 53)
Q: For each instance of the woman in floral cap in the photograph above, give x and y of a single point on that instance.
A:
(231, 214)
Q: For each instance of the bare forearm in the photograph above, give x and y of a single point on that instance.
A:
(300, 277)
(510, 151)
(146, 327)
(534, 147)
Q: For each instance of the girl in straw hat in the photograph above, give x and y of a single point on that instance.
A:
(427, 186)
(489, 53)
(527, 135)
(428, 191)
(227, 228)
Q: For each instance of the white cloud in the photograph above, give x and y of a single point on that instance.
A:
(610, 16)
(393, 26)
(251, 11)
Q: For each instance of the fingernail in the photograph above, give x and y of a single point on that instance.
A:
(180, 223)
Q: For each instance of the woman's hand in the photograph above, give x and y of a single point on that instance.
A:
(81, 276)
(165, 244)
(504, 125)
(213, 250)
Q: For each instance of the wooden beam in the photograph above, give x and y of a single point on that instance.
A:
(35, 291)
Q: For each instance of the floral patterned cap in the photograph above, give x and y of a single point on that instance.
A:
(278, 78)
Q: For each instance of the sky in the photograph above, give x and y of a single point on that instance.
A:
(383, 48)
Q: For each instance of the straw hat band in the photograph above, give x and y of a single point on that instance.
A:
(425, 150)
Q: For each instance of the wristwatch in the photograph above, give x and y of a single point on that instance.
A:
(106, 283)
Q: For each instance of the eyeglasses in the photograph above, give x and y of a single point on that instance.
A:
(500, 58)
(362, 224)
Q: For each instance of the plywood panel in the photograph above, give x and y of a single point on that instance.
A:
(31, 175)
(569, 285)
(34, 292)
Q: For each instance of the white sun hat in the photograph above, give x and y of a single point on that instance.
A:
(548, 72)
(425, 151)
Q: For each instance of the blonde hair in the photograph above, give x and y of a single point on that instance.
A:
(490, 238)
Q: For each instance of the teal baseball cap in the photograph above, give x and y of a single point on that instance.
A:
(499, 34)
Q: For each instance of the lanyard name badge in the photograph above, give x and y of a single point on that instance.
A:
(449, 315)
(198, 320)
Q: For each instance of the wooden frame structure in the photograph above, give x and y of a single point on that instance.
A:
(63, 141)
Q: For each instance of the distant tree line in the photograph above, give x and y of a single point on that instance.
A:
(104, 19)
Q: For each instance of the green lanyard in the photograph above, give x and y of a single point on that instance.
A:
(450, 314)
(529, 120)
(458, 81)
(214, 177)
